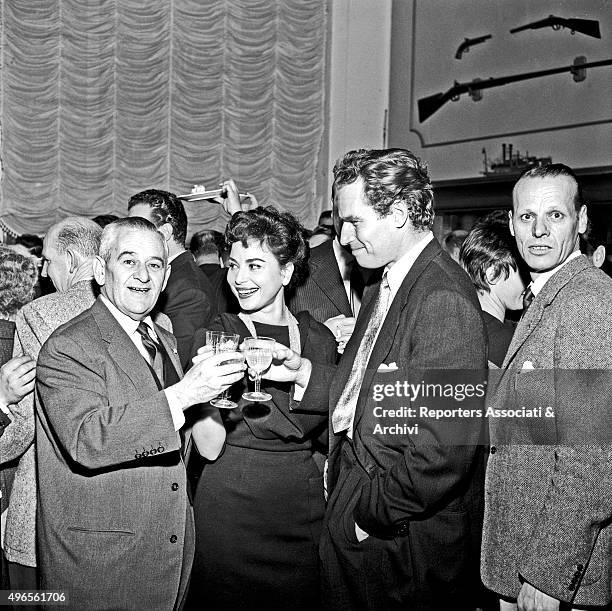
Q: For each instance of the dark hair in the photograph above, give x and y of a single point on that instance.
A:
(165, 207)
(389, 175)
(281, 232)
(18, 278)
(207, 242)
(104, 219)
(454, 239)
(32, 242)
(109, 234)
(551, 170)
(489, 244)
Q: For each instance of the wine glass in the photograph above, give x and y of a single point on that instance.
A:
(222, 342)
(258, 353)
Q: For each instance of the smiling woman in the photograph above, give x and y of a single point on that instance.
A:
(259, 507)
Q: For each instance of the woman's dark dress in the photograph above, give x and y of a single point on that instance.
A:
(259, 507)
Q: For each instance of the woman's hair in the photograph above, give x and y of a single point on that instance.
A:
(280, 232)
(489, 244)
(18, 281)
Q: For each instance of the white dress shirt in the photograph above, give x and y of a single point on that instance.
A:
(129, 325)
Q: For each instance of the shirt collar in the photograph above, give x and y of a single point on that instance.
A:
(396, 272)
(178, 254)
(538, 284)
(129, 325)
(343, 258)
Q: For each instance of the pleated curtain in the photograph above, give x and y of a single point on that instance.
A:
(103, 98)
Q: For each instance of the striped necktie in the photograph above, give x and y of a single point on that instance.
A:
(155, 352)
(343, 415)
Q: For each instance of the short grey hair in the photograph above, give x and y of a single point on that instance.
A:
(77, 233)
(110, 232)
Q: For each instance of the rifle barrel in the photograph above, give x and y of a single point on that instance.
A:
(429, 105)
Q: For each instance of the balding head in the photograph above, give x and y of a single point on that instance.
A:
(69, 249)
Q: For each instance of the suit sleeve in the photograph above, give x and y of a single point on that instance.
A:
(80, 396)
(19, 435)
(577, 504)
(428, 471)
(188, 308)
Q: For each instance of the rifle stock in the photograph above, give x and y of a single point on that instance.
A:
(590, 27)
(431, 104)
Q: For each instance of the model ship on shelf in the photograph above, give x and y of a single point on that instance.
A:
(511, 162)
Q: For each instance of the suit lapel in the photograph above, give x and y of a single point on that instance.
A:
(122, 349)
(326, 275)
(390, 327)
(534, 314)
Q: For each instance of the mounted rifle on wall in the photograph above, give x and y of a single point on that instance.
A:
(589, 27)
(431, 104)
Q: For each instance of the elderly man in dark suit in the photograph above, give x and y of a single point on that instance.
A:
(188, 299)
(402, 522)
(548, 534)
(115, 526)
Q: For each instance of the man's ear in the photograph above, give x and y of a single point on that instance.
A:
(599, 256)
(583, 219)
(166, 230)
(510, 222)
(73, 260)
(287, 273)
(399, 210)
(99, 270)
(166, 276)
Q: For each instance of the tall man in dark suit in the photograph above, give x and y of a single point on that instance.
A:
(115, 526)
(548, 516)
(402, 522)
(188, 299)
(335, 285)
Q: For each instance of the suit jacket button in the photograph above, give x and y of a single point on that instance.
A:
(579, 568)
(571, 587)
(493, 449)
(173, 539)
(175, 486)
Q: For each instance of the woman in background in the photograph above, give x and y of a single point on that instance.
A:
(18, 283)
(259, 506)
(489, 256)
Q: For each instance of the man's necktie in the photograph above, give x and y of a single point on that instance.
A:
(154, 350)
(528, 297)
(345, 409)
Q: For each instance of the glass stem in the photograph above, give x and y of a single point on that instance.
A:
(257, 383)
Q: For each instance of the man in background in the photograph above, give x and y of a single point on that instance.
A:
(69, 248)
(207, 247)
(188, 299)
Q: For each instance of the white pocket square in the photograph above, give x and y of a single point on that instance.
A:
(390, 367)
(527, 365)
